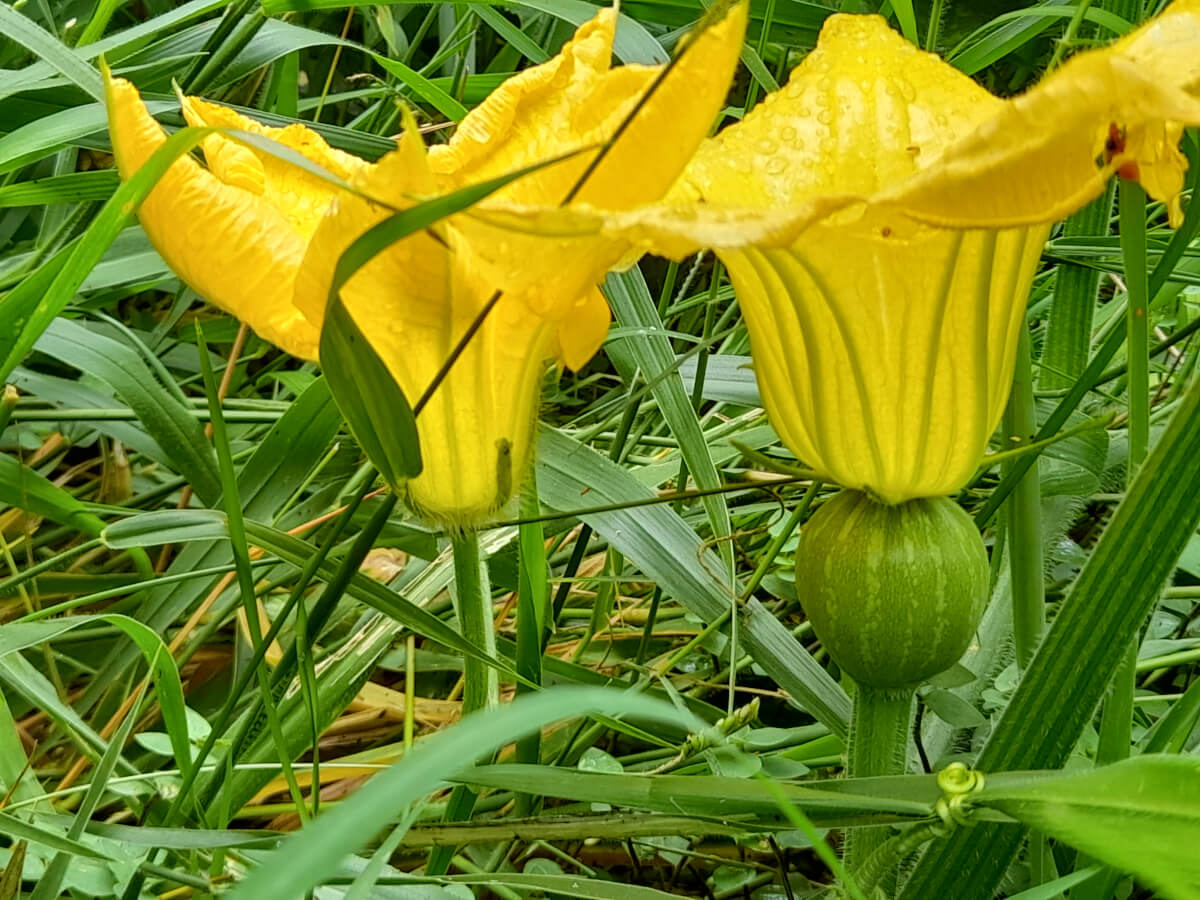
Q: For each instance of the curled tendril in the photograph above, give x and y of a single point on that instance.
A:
(957, 783)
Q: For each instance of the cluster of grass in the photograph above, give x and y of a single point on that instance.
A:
(145, 751)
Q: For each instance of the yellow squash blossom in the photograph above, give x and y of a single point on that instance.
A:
(881, 218)
(260, 238)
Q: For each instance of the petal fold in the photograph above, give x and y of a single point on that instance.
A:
(863, 110)
(230, 245)
(572, 102)
(299, 194)
(1052, 149)
(888, 375)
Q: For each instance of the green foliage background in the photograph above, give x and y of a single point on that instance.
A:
(643, 589)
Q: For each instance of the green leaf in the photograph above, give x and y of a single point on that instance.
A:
(727, 378)
(650, 349)
(370, 400)
(424, 88)
(19, 829)
(563, 885)
(18, 636)
(827, 803)
(1140, 815)
(166, 526)
(268, 479)
(70, 188)
(633, 44)
(157, 401)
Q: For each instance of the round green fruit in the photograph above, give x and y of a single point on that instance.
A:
(895, 593)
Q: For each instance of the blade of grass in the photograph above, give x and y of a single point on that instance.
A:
(241, 558)
(307, 857)
(670, 552)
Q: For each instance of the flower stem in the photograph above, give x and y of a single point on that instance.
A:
(1133, 249)
(1116, 723)
(877, 745)
(474, 601)
(1025, 515)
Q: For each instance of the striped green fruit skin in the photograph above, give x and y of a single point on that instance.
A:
(895, 593)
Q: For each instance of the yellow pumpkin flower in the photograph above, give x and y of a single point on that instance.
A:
(260, 238)
(882, 217)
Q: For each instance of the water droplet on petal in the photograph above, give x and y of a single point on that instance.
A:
(776, 165)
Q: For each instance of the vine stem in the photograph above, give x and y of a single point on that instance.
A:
(1025, 559)
(473, 602)
(877, 745)
(473, 597)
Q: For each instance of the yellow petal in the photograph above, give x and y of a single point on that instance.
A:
(575, 101)
(476, 432)
(414, 302)
(419, 266)
(582, 333)
(863, 110)
(572, 102)
(300, 195)
(1051, 150)
(664, 134)
(675, 230)
(888, 375)
(231, 246)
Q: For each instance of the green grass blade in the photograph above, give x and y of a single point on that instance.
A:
(37, 40)
(671, 553)
(318, 851)
(651, 351)
(158, 407)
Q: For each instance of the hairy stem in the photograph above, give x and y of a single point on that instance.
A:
(877, 745)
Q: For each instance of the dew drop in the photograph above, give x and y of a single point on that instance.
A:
(767, 146)
(825, 116)
(776, 165)
(788, 133)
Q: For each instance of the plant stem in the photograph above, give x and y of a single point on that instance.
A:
(877, 745)
(1116, 724)
(1133, 249)
(1025, 560)
(1116, 720)
(473, 602)
(934, 32)
(1069, 327)
(473, 597)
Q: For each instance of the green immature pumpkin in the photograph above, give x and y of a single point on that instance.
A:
(895, 593)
